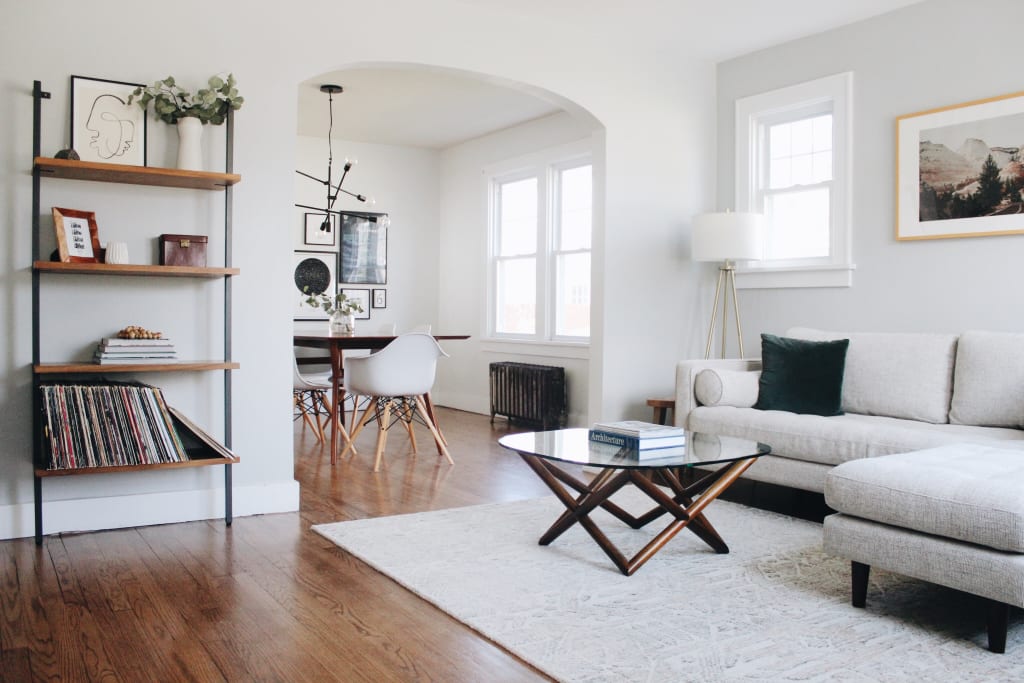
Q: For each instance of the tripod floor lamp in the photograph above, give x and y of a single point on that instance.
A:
(727, 237)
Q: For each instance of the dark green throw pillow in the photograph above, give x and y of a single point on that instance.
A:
(802, 376)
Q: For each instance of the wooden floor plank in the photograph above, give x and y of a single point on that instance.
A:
(267, 598)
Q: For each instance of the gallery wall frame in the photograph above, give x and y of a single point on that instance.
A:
(380, 298)
(78, 237)
(364, 248)
(104, 127)
(314, 270)
(960, 170)
(315, 235)
(363, 297)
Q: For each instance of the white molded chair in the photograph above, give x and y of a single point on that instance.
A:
(396, 378)
(310, 397)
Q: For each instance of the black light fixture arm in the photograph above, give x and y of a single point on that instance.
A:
(332, 189)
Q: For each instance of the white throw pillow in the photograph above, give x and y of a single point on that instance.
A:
(737, 388)
(988, 385)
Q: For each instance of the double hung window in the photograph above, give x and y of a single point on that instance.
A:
(541, 216)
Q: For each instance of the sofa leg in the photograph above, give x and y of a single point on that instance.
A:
(859, 575)
(998, 619)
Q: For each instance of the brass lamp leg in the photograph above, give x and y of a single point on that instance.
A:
(714, 314)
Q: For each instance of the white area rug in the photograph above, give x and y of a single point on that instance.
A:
(776, 608)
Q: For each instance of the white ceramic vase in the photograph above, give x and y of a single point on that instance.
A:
(190, 143)
(342, 323)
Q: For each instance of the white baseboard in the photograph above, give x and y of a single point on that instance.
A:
(117, 512)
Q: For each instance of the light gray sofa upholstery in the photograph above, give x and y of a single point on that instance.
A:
(901, 393)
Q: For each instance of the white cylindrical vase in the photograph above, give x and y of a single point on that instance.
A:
(190, 143)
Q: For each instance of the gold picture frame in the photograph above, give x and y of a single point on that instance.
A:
(960, 170)
(78, 239)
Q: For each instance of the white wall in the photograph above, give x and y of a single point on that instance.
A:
(404, 183)
(924, 56)
(657, 109)
(463, 379)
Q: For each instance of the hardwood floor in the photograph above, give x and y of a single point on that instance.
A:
(266, 599)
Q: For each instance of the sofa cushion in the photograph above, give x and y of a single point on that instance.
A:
(801, 376)
(988, 387)
(834, 440)
(716, 387)
(904, 375)
(968, 492)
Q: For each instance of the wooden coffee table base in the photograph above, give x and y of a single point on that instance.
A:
(685, 505)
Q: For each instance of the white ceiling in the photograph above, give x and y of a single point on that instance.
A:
(433, 109)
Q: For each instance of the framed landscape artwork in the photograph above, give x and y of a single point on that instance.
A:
(314, 271)
(960, 171)
(104, 127)
(364, 248)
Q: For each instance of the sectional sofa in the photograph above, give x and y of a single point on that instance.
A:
(901, 392)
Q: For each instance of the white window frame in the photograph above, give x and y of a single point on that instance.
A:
(545, 166)
(753, 116)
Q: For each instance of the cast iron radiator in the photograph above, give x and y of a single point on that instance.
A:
(530, 393)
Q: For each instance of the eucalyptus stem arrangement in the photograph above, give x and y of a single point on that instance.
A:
(171, 102)
(333, 303)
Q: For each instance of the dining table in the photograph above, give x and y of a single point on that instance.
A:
(337, 344)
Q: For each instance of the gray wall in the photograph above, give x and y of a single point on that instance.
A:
(925, 56)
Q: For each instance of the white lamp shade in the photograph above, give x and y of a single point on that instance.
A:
(728, 237)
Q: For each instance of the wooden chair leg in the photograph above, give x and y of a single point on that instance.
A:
(355, 432)
(998, 620)
(859, 578)
(407, 414)
(300, 403)
(421, 406)
(382, 435)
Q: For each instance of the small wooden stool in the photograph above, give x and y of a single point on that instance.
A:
(661, 407)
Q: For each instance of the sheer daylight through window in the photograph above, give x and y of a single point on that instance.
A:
(540, 236)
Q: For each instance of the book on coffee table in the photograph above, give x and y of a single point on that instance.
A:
(638, 435)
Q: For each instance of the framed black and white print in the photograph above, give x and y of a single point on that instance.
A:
(313, 274)
(364, 248)
(321, 230)
(380, 298)
(363, 297)
(104, 127)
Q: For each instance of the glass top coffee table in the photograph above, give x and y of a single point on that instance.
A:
(619, 467)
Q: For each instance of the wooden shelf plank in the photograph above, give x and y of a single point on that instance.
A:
(197, 462)
(134, 175)
(97, 369)
(132, 269)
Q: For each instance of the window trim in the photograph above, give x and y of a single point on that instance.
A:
(543, 165)
(753, 114)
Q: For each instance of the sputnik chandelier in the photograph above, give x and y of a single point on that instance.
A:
(332, 189)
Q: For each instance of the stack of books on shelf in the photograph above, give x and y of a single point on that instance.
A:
(645, 439)
(107, 425)
(115, 351)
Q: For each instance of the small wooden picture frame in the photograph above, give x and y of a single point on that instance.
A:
(380, 298)
(78, 239)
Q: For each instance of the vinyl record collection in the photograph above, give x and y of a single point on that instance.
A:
(107, 425)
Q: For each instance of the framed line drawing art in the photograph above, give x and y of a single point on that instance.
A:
(363, 297)
(78, 239)
(959, 170)
(316, 234)
(380, 298)
(104, 127)
(313, 274)
(364, 248)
